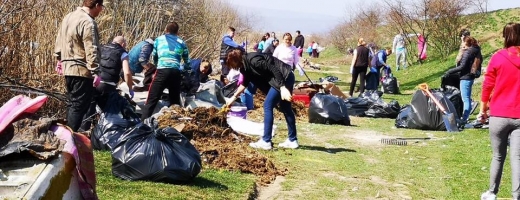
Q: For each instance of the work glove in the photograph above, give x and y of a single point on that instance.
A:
(59, 68)
(230, 101)
(96, 81)
(286, 95)
(300, 70)
(131, 93)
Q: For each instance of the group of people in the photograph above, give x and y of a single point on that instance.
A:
(93, 71)
(367, 57)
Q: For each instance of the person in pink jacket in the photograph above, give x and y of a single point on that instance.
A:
(501, 81)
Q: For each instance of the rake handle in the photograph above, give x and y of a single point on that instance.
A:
(424, 87)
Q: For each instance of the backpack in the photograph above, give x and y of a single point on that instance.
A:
(476, 68)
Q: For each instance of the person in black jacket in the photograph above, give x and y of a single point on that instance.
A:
(299, 41)
(359, 66)
(274, 78)
(469, 56)
(114, 61)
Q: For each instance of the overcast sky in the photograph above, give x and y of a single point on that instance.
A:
(313, 16)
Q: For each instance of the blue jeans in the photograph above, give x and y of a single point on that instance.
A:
(247, 97)
(271, 100)
(465, 92)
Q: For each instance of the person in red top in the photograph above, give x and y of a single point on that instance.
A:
(502, 83)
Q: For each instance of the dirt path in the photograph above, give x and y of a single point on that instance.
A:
(272, 190)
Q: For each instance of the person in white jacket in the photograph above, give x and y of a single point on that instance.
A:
(288, 53)
(399, 47)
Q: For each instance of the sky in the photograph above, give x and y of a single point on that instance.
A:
(313, 16)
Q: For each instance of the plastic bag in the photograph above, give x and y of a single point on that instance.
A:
(372, 80)
(384, 110)
(116, 118)
(390, 85)
(162, 155)
(357, 106)
(453, 94)
(423, 114)
(328, 109)
(247, 127)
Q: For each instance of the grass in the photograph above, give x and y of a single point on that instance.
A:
(339, 162)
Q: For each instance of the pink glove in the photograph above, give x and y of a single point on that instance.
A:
(97, 80)
(58, 68)
(240, 79)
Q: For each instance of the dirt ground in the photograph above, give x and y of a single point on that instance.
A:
(219, 146)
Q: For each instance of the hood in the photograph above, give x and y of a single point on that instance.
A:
(511, 54)
(149, 40)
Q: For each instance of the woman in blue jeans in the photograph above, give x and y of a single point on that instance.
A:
(275, 79)
(466, 76)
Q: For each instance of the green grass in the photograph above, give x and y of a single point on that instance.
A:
(210, 184)
(339, 162)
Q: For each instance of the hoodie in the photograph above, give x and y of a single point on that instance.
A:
(501, 80)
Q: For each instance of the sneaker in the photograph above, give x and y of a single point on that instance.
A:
(488, 196)
(289, 145)
(261, 144)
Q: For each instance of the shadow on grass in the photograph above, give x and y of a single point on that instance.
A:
(326, 150)
(427, 79)
(202, 182)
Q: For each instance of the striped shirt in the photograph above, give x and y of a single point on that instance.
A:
(168, 51)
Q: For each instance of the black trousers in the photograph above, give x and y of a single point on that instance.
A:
(361, 72)
(102, 93)
(163, 78)
(81, 105)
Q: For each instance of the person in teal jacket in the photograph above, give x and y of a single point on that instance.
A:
(168, 52)
(139, 55)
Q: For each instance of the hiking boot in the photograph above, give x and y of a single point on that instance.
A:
(261, 144)
(488, 196)
(289, 145)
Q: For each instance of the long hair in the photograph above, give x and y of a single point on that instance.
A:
(511, 34)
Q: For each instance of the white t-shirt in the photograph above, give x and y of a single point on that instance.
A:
(288, 55)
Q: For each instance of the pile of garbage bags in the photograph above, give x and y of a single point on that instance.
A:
(142, 151)
(370, 104)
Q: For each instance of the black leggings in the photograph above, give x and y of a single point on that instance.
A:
(361, 71)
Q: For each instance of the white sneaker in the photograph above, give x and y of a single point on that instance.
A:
(289, 145)
(261, 144)
(488, 196)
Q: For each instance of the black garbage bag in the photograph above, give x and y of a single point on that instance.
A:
(357, 106)
(162, 155)
(328, 109)
(116, 118)
(371, 95)
(453, 94)
(390, 85)
(230, 89)
(384, 110)
(403, 117)
(423, 114)
(372, 81)
(451, 80)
